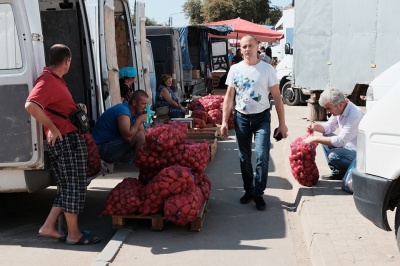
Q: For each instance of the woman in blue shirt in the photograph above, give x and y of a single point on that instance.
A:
(166, 97)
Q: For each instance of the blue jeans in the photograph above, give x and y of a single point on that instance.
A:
(116, 151)
(339, 159)
(245, 127)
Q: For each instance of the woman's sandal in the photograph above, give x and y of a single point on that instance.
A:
(86, 239)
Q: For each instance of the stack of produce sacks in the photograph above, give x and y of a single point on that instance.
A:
(171, 177)
(174, 190)
(209, 110)
(302, 161)
(166, 146)
(125, 198)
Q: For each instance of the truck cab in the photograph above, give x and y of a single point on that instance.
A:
(376, 179)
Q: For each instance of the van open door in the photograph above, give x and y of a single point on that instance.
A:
(21, 142)
(112, 33)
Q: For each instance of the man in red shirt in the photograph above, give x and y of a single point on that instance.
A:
(65, 146)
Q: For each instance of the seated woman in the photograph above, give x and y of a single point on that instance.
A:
(127, 77)
(166, 97)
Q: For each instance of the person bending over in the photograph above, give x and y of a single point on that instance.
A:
(340, 150)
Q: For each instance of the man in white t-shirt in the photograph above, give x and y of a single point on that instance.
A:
(249, 84)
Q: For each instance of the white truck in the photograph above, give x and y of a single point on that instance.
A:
(283, 50)
(28, 29)
(343, 44)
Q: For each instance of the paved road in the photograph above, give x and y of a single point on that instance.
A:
(232, 234)
(21, 215)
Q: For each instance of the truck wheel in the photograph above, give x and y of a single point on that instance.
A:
(397, 226)
(290, 96)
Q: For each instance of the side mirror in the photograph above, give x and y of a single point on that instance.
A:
(288, 50)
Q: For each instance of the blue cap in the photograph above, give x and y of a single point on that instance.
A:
(127, 72)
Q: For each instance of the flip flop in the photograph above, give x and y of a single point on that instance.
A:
(62, 239)
(86, 239)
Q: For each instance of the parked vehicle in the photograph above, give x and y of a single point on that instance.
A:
(284, 52)
(167, 56)
(376, 180)
(341, 44)
(286, 26)
(117, 45)
(31, 28)
(187, 54)
(382, 84)
(201, 55)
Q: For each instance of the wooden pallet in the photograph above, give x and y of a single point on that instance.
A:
(158, 221)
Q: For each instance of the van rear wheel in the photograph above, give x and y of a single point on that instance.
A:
(290, 95)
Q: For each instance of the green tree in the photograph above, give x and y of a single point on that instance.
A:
(252, 10)
(256, 11)
(275, 13)
(193, 11)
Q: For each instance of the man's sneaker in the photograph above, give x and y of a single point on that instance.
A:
(247, 198)
(260, 203)
(332, 177)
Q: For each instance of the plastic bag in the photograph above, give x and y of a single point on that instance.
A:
(347, 184)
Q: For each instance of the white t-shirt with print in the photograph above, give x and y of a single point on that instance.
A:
(252, 86)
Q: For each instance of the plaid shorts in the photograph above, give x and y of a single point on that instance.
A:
(68, 159)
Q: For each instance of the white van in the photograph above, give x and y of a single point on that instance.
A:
(381, 84)
(376, 179)
(100, 36)
(28, 29)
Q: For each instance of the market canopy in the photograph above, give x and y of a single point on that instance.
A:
(243, 27)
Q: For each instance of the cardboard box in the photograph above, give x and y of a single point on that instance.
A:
(210, 128)
(196, 74)
(201, 134)
(218, 91)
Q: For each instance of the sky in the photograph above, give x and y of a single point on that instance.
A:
(161, 10)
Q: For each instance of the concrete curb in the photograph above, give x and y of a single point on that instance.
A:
(109, 252)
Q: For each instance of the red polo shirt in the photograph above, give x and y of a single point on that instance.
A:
(51, 91)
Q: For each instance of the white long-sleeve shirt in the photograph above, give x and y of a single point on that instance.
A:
(347, 123)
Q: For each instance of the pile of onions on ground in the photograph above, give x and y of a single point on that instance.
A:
(302, 161)
(210, 106)
(193, 155)
(198, 123)
(174, 190)
(165, 136)
(185, 207)
(169, 181)
(125, 198)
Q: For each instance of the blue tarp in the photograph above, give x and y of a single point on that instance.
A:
(183, 33)
(204, 30)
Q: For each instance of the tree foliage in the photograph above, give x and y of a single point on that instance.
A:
(256, 11)
(193, 11)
